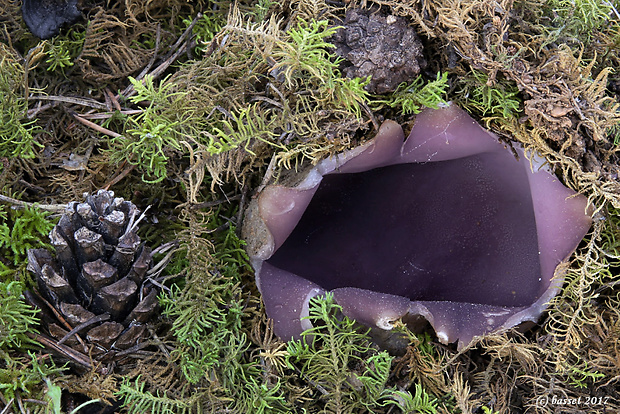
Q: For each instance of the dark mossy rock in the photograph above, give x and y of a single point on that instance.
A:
(385, 47)
(44, 18)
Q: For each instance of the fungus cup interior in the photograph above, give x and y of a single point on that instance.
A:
(447, 225)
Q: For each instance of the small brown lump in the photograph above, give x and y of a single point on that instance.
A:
(383, 46)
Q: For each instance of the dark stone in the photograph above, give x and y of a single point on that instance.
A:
(45, 17)
(385, 47)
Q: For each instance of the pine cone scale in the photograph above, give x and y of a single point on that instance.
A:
(116, 298)
(64, 252)
(75, 314)
(89, 245)
(95, 276)
(145, 309)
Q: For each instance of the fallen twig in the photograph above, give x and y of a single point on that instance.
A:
(119, 177)
(91, 103)
(106, 115)
(96, 127)
(23, 204)
(70, 353)
(175, 51)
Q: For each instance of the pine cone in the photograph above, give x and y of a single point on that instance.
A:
(383, 46)
(96, 283)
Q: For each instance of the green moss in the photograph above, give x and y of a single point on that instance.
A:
(150, 136)
(418, 402)
(498, 100)
(20, 230)
(487, 410)
(413, 97)
(239, 130)
(137, 400)
(306, 54)
(16, 131)
(222, 104)
(207, 26)
(207, 310)
(583, 377)
(61, 51)
(16, 318)
(327, 353)
(578, 19)
(25, 375)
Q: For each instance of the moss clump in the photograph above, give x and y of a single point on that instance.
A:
(16, 318)
(21, 230)
(327, 353)
(413, 97)
(16, 130)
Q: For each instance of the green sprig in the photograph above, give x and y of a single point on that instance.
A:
(21, 230)
(412, 97)
(307, 54)
(16, 317)
(329, 349)
(16, 132)
(138, 400)
(151, 136)
(500, 100)
(62, 51)
(418, 402)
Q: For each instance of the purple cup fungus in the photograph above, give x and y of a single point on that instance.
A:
(447, 226)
